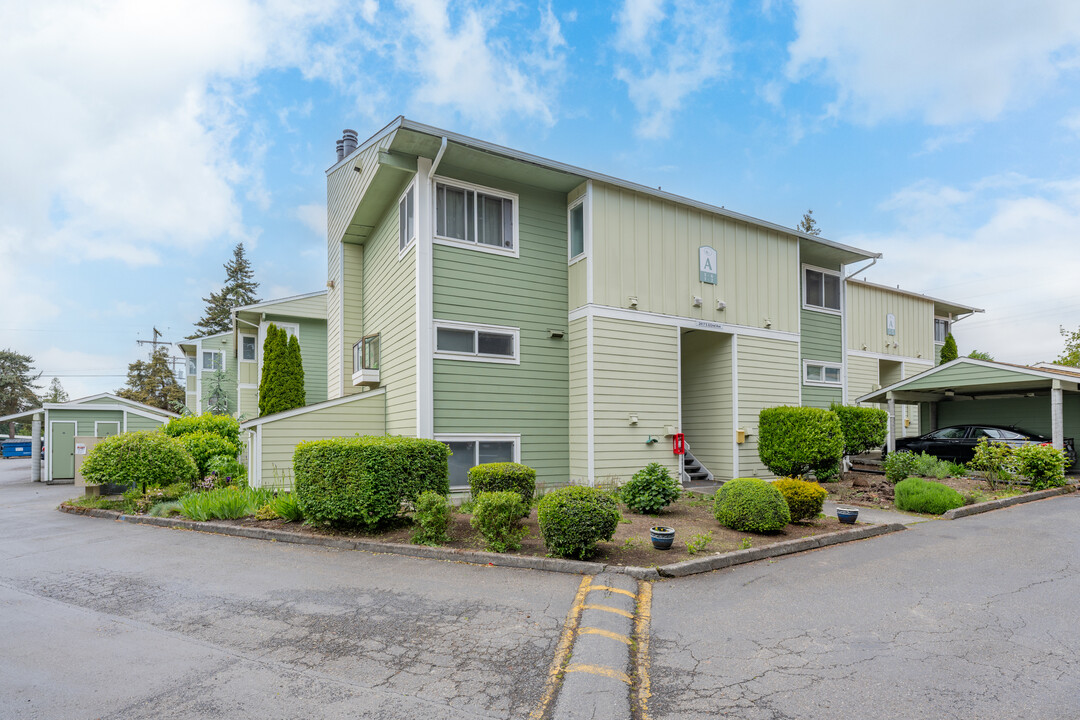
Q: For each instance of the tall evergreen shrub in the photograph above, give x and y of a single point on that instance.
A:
(282, 384)
(948, 350)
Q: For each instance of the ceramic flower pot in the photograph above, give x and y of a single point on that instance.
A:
(662, 537)
(847, 515)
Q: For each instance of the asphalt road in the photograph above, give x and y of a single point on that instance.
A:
(971, 618)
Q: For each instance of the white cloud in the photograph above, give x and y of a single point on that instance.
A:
(1072, 122)
(314, 216)
(946, 62)
(661, 73)
(1006, 244)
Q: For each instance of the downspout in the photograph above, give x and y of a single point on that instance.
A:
(864, 268)
(438, 158)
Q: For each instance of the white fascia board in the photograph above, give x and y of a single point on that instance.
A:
(278, 301)
(310, 408)
(913, 294)
(1020, 369)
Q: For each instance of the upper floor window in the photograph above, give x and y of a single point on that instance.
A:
(247, 348)
(213, 360)
(941, 330)
(366, 353)
(192, 367)
(407, 219)
(466, 341)
(576, 230)
(484, 218)
(821, 289)
(820, 373)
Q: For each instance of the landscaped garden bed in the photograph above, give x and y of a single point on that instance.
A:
(868, 489)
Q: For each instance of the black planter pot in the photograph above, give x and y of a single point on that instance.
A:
(847, 515)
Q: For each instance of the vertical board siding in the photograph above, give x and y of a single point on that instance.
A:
(311, 333)
(862, 377)
(389, 309)
(647, 247)
(769, 375)
(706, 399)
(867, 309)
(579, 401)
(530, 293)
(247, 372)
(279, 438)
(636, 370)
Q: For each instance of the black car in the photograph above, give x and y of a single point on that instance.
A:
(957, 443)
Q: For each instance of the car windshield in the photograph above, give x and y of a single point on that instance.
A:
(952, 433)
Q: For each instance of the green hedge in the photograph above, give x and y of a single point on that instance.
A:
(363, 481)
(926, 496)
(573, 519)
(751, 505)
(504, 476)
(146, 458)
(864, 428)
(793, 441)
(204, 446)
(222, 425)
(1042, 465)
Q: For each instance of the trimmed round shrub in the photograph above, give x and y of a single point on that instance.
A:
(205, 445)
(804, 499)
(926, 496)
(432, 517)
(899, 465)
(145, 458)
(223, 425)
(365, 481)
(650, 490)
(495, 477)
(864, 428)
(497, 517)
(793, 441)
(751, 505)
(573, 519)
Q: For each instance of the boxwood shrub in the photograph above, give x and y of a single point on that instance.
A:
(926, 496)
(145, 458)
(496, 477)
(364, 481)
(751, 505)
(804, 499)
(573, 519)
(793, 441)
(650, 490)
(223, 425)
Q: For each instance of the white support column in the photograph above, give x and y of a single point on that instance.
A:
(425, 364)
(892, 424)
(35, 449)
(1057, 421)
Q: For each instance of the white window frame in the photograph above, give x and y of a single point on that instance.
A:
(404, 249)
(839, 367)
(820, 308)
(493, 437)
(480, 247)
(192, 366)
(948, 328)
(476, 357)
(117, 423)
(256, 339)
(202, 360)
(585, 239)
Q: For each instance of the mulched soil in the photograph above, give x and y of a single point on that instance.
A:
(630, 546)
(872, 490)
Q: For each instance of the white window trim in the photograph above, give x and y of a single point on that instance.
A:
(948, 328)
(446, 355)
(479, 247)
(494, 437)
(117, 423)
(202, 369)
(403, 251)
(256, 339)
(585, 234)
(822, 364)
(817, 308)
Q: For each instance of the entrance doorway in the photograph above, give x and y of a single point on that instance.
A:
(62, 452)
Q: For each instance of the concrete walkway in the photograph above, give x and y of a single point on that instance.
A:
(877, 515)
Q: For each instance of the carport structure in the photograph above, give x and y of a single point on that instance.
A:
(1043, 398)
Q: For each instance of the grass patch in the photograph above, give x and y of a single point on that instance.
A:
(96, 502)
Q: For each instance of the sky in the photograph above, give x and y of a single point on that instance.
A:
(140, 141)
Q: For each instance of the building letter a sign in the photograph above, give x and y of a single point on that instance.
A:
(707, 265)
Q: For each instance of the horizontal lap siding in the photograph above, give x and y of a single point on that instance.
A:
(312, 307)
(280, 438)
(227, 347)
(529, 293)
(768, 377)
(822, 339)
(138, 422)
(579, 402)
(249, 403)
(248, 372)
(862, 377)
(86, 418)
(648, 248)
(389, 309)
(911, 423)
(868, 308)
(969, 375)
(706, 400)
(636, 370)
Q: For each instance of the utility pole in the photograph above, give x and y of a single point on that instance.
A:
(173, 361)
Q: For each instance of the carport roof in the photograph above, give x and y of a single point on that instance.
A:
(967, 377)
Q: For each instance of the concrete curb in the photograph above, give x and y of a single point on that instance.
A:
(788, 547)
(989, 505)
(479, 557)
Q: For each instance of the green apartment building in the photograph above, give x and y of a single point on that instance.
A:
(523, 309)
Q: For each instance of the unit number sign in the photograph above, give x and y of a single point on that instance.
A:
(707, 265)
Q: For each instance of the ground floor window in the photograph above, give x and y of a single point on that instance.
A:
(470, 451)
(821, 373)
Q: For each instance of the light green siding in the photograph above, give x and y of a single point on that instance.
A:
(86, 418)
(910, 423)
(224, 344)
(278, 438)
(768, 372)
(311, 334)
(576, 280)
(306, 307)
(579, 401)
(970, 375)
(822, 339)
(862, 377)
(636, 371)
(1031, 414)
(248, 371)
(249, 402)
(868, 307)
(646, 247)
(528, 293)
(138, 422)
(707, 416)
(389, 309)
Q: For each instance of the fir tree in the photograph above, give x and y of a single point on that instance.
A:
(808, 224)
(239, 290)
(152, 382)
(217, 397)
(56, 393)
(948, 350)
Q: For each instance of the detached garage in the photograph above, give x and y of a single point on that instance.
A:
(69, 430)
(1043, 398)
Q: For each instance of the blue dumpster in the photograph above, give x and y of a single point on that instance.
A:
(16, 448)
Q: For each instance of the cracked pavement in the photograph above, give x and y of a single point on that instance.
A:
(964, 619)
